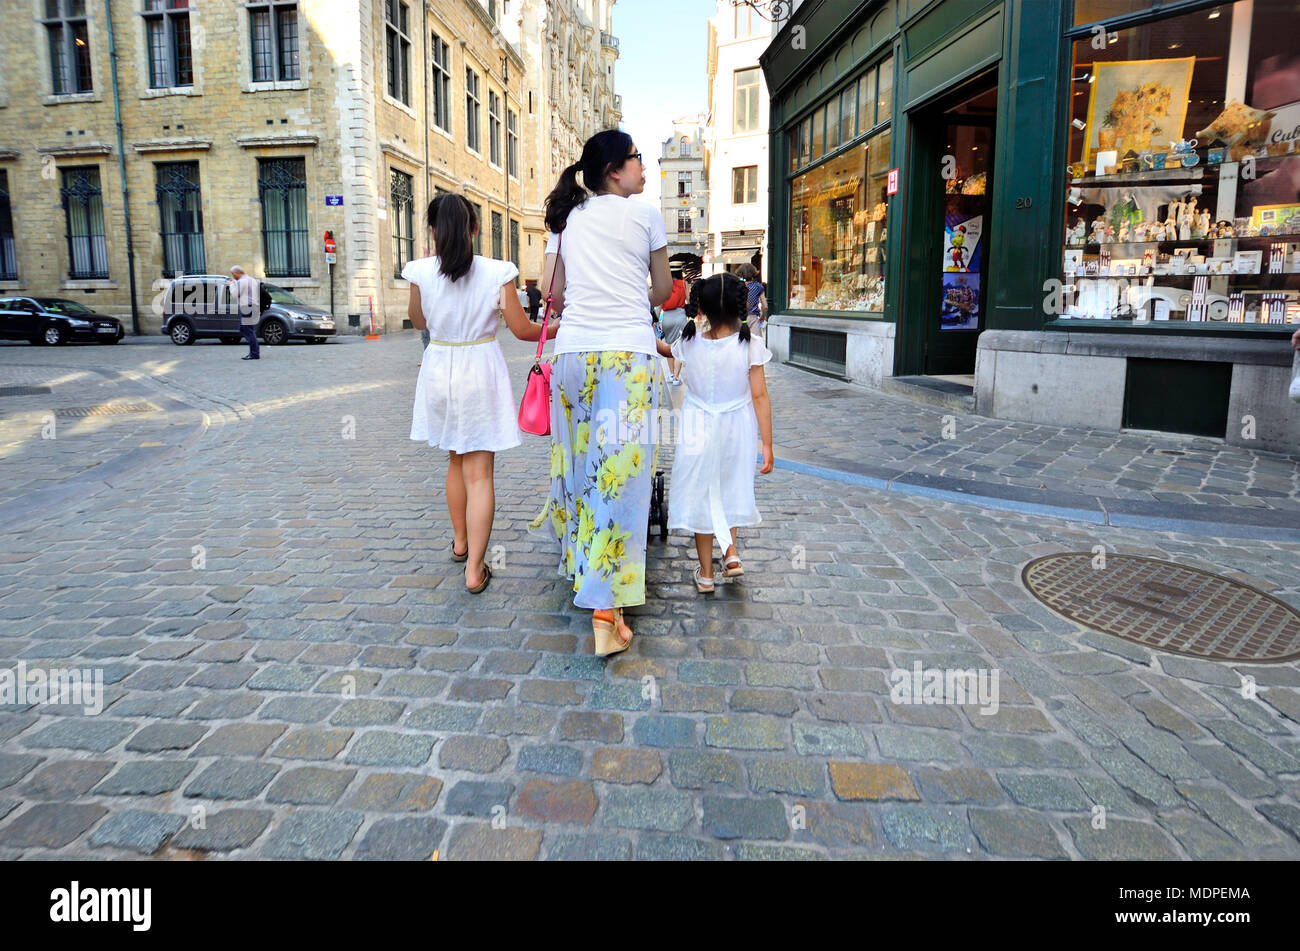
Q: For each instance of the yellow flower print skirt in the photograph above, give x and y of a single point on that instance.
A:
(604, 407)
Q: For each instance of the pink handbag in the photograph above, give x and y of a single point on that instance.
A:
(535, 408)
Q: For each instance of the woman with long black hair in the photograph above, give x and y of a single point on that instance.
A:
(604, 386)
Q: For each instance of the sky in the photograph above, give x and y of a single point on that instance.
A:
(661, 71)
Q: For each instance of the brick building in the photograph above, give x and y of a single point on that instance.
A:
(248, 130)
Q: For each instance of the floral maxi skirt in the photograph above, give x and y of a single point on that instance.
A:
(604, 413)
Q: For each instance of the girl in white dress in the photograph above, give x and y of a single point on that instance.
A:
(725, 415)
(463, 400)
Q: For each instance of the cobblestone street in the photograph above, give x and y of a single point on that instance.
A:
(262, 573)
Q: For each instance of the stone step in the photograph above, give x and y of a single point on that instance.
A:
(927, 389)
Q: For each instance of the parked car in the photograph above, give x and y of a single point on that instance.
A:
(55, 320)
(200, 306)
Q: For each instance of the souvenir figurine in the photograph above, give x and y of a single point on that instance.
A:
(1186, 218)
(1141, 232)
(1123, 235)
(1225, 229)
(1098, 229)
(1203, 222)
(1108, 233)
(1171, 219)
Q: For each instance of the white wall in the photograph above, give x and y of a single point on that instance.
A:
(729, 149)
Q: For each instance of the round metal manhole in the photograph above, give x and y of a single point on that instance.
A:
(1166, 606)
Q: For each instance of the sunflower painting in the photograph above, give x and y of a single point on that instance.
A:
(1137, 104)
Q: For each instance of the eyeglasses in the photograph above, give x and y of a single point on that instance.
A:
(637, 156)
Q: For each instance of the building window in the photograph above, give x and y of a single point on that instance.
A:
(401, 211)
(747, 19)
(512, 143)
(441, 84)
(514, 245)
(398, 41)
(478, 231)
(472, 110)
(282, 187)
(8, 260)
(167, 28)
(83, 212)
(1207, 232)
(745, 117)
(684, 222)
(494, 128)
(177, 189)
(838, 214)
(498, 251)
(684, 184)
(273, 29)
(744, 185)
(65, 26)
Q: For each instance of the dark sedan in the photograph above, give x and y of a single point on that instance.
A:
(55, 320)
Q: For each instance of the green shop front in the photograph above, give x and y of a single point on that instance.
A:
(1071, 212)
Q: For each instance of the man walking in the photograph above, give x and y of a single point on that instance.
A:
(534, 300)
(248, 297)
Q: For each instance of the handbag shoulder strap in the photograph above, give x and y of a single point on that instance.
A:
(550, 289)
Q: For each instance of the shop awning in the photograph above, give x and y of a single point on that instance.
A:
(737, 257)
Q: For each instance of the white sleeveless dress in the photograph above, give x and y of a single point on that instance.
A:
(463, 398)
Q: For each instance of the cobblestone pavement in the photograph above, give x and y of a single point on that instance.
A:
(315, 677)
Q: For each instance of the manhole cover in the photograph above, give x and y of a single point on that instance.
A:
(106, 409)
(23, 390)
(1167, 606)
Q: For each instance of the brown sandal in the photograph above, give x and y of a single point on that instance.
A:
(487, 576)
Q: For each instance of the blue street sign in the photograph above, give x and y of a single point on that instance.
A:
(333, 199)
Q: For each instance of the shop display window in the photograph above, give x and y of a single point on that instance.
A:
(838, 220)
(1184, 168)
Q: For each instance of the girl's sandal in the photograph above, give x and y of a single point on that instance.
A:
(732, 566)
(487, 576)
(702, 585)
(459, 555)
(607, 627)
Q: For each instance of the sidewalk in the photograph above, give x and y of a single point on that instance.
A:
(1144, 480)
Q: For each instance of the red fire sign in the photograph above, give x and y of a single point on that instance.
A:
(891, 182)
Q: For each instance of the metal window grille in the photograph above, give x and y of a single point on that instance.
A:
(69, 39)
(83, 212)
(819, 350)
(282, 188)
(514, 245)
(180, 208)
(441, 84)
(273, 34)
(8, 259)
(401, 208)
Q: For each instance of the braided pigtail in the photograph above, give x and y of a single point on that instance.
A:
(738, 304)
(692, 308)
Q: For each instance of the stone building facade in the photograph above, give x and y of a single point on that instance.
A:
(250, 129)
(683, 188)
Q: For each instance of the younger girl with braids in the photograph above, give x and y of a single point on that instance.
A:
(726, 415)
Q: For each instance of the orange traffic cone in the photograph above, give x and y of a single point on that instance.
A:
(372, 335)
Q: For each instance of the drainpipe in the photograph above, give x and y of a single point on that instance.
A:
(428, 89)
(121, 167)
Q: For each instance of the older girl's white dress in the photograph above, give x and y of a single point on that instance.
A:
(463, 399)
(717, 444)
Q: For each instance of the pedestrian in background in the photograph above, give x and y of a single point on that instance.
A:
(755, 296)
(534, 300)
(672, 319)
(726, 412)
(604, 393)
(463, 400)
(247, 291)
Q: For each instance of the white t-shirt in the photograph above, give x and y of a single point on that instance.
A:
(606, 251)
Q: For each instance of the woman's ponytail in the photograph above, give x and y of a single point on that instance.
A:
(566, 196)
